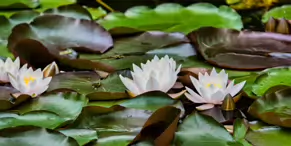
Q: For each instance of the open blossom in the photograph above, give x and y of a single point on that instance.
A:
(157, 74)
(30, 82)
(8, 67)
(212, 89)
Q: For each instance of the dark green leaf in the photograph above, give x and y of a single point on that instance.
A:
(240, 129)
(72, 10)
(19, 4)
(201, 130)
(34, 136)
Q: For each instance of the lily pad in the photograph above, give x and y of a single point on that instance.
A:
(266, 135)
(274, 106)
(148, 101)
(35, 118)
(243, 50)
(30, 40)
(171, 17)
(160, 127)
(271, 77)
(67, 105)
(83, 136)
(19, 4)
(34, 136)
(278, 12)
(198, 129)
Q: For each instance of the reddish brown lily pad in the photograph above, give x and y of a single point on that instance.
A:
(245, 50)
(7, 101)
(59, 38)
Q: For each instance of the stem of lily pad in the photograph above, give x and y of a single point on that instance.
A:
(105, 5)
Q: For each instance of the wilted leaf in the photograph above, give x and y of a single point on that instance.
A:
(7, 101)
(160, 127)
(147, 101)
(61, 43)
(19, 4)
(265, 135)
(35, 118)
(271, 77)
(278, 12)
(242, 50)
(274, 107)
(67, 105)
(201, 130)
(171, 17)
(83, 136)
(34, 136)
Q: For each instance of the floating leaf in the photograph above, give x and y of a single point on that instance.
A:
(240, 131)
(37, 40)
(83, 136)
(274, 106)
(19, 4)
(198, 129)
(271, 77)
(242, 50)
(67, 105)
(171, 17)
(278, 12)
(264, 135)
(7, 101)
(35, 118)
(34, 136)
(160, 127)
(147, 101)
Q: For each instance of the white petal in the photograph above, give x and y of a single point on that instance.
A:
(178, 69)
(129, 84)
(236, 88)
(217, 97)
(229, 87)
(205, 107)
(152, 84)
(194, 97)
(13, 81)
(196, 84)
(40, 91)
(213, 72)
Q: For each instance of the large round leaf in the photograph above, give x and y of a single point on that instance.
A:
(83, 136)
(242, 50)
(278, 12)
(265, 135)
(171, 17)
(67, 105)
(36, 118)
(19, 4)
(271, 77)
(201, 130)
(34, 136)
(274, 107)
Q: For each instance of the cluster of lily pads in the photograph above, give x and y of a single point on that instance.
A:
(146, 76)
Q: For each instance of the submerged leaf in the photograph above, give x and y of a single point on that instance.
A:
(242, 50)
(171, 17)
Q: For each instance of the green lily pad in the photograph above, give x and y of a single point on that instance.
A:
(274, 106)
(19, 4)
(115, 140)
(240, 131)
(34, 136)
(67, 105)
(83, 136)
(171, 17)
(48, 4)
(199, 129)
(266, 135)
(148, 101)
(271, 77)
(278, 12)
(35, 118)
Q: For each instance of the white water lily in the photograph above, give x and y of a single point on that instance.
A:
(8, 67)
(30, 82)
(157, 74)
(212, 89)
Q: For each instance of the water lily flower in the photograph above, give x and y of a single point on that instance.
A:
(8, 67)
(29, 82)
(212, 89)
(157, 74)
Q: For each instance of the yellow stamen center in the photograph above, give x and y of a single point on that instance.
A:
(214, 84)
(28, 80)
